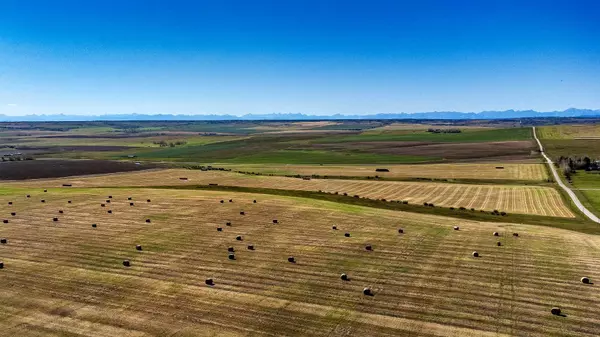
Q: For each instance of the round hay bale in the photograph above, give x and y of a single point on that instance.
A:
(126, 263)
(250, 247)
(110, 196)
(400, 231)
(254, 201)
(209, 282)
(347, 234)
(148, 220)
(219, 229)
(230, 200)
(148, 200)
(5, 221)
(368, 247)
(45, 191)
(475, 254)
(94, 225)
(555, 311)
(10, 202)
(69, 202)
(13, 213)
(109, 211)
(1, 265)
(43, 200)
(344, 277)
(232, 256)
(3, 240)
(131, 204)
(275, 221)
(499, 243)
(108, 201)
(222, 201)
(102, 205)
(230, 249)
(585, 280)
(138, 247)
(291, 259)
(54, 219)
(515, 234)
(496, 234)
(334, 228)
(242, 213)
(228, 223)
(60, 211)
(28, 196)
(456, 228)
(239, 238)
(129, 198)
(367, 291)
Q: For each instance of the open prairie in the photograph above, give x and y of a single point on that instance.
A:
(537, 200)
(67, 278)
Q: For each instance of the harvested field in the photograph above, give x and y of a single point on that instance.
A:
(510, 171)
(34, 169)
(534, 200)
(67, 278)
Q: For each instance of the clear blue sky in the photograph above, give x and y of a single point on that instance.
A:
(305, 56)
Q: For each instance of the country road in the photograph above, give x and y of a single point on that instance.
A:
(576, 201)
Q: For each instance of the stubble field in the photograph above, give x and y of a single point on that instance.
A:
(66, 278)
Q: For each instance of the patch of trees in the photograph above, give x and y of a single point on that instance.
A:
(570, 165)
(164, 143)
(443, 130)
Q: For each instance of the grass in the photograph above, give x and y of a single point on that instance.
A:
(66, 278)
(325, 157)
(466, 136)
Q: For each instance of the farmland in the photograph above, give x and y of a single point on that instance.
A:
(509, 198)
(424, 281)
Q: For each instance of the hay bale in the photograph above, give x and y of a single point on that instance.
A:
(60, 211)
(475, 254)
(1, 265)
(126, 263)
(228, 223)
(219, 229)
(368, 247)
(250, 247)
(131, 204)
(222, 201)
(147, 200)
(347, 234)
(148, 221)
(499, 243)
(209, 282)
(275, 221)
(129, 198)
(230, 200)
(69, 202)
(94, 225)
(110, 211)
(585, 280)
(496, 234)
(138, 247)
(344, 277)
(43, 200)
(334, 228)
(5, 221)
(367, 291)
(3, 240)
(45, 191)
(555, 311)
(456, 228)
(239, 238)
(291, 259)
(400, 231)
(242, 213)
(28, 196)
(232, 256)
(515, 234)
(54, 219)
(108, 201)
(13, 213)
(254, 201)
(10, 202)
(110, 196)
(102, 205)
(231, 249)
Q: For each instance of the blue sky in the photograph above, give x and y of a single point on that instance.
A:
(314, 57)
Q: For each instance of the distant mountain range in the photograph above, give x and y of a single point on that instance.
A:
(507, 114)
